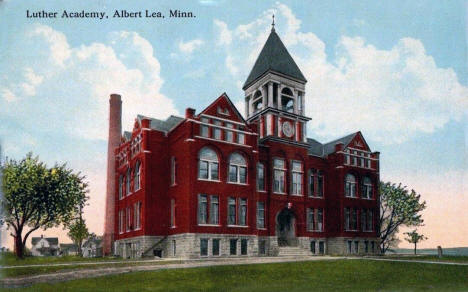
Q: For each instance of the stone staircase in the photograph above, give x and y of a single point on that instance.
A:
(291, 251)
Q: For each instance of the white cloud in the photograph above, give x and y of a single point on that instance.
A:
(391, 95)
(224, 34)
(190, 46)
(8, 95)
(71, 85)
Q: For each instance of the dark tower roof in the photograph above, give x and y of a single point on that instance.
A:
(275, 57)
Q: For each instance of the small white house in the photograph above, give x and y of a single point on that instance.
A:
(45, 246)
(92, 247)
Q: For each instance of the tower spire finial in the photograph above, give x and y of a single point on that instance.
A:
(273, 23)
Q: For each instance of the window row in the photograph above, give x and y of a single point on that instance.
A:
(351, 219)
(353, 247)
(130, 182)
(216, 246)
(220, 130)
(351, 189)
(208, 211)
(357, 158)
(130, 218)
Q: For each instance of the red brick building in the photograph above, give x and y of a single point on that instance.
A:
(215, 184)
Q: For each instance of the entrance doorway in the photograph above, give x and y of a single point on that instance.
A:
(286, 228)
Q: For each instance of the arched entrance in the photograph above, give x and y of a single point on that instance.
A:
(286, 228)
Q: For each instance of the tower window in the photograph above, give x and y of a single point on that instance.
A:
(287, 100)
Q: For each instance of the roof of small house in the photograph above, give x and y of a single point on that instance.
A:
(51, 240)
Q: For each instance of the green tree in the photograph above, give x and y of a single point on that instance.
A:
(414, 237)
(36, 196)
(78, 232)
(398, 207)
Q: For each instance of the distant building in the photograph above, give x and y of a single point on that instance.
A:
(45, 246)
(68, 249)
(92, 247)
(215, 184)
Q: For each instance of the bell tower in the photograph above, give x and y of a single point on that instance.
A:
(275, 92)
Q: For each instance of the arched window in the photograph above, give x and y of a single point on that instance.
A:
(129, 173)
(208, 165)
(367, 188)
(260, 177)
(237, 169)
(287, 100)
(136, 176)
(350, 186)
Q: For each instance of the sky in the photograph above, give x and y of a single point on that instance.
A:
(395, 70)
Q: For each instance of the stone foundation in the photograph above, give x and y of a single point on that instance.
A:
(188, 245)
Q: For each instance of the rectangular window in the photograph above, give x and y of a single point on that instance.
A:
(356, 247)
(233, 246)
(121, 221)
(204, 130)
(244, 246)
(319, 219)
(370, 222)
(229, 135)
(366, 246)
(120, 187)
(203, 170)
(202, 209)
(320, 185)
(173, 170)
(137, 215)
(262, 247)
(217, 131)
(310, 219)
(279, 174)
(296, 178)
(242, 174)
(347, 219)
(214, 171)
(231, 211)
(240, 138)
(173, 211)
(363, 220)
(373, 246)
(260, 177)
(368, 162)
(129, 219)
(216, 247)
(232, 173)
(355, 158)
(260, 215)
(312, 246)
(354, 217)
(322, 247)
(174, 248)
(312, 183)
(350, 246)
(203, 247)
(243, 212)
(214, 210)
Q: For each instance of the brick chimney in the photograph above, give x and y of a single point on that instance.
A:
(189, 113)
(115, 132)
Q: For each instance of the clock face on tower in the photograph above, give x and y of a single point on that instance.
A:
(288, 129)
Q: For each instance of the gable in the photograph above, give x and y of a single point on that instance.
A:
(223, 108)
(358, 142)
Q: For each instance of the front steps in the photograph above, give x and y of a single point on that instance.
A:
(293, 251)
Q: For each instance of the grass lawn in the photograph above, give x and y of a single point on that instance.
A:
(9, 259)
(343, 275)
(45, 269)
(431, 258)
